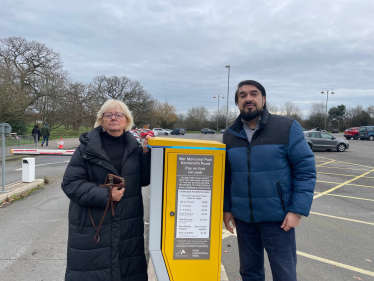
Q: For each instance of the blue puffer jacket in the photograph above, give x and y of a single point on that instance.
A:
(272, 175)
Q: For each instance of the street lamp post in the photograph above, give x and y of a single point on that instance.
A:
(228, 87)
(219, 95)
(327, 99)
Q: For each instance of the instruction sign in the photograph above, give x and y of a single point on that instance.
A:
(193, 207)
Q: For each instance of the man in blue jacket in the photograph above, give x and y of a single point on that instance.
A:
(269, 182)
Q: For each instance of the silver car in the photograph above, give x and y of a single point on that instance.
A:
(159, 131)
(320, 140)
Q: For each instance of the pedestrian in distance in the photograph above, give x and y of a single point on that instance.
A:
(318, 129)
(270, 178)
(45, 133)
(109, 148)
(36, 134)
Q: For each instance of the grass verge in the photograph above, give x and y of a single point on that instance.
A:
(15, 198)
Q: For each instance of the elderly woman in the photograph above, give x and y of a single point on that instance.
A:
(108, 149)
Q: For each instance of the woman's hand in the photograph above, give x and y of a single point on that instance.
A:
(117, 193)
(145, 144)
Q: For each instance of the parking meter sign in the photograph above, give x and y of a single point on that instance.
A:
(193, 206)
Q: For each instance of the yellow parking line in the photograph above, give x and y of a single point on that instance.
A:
(337, 195)
(346, 184)
(370, 167)
(325, 163)
(340, 218)
(342, 184)
(335, 174)
(225, 234)
(346, 168)
(342, 265)
(343, 175)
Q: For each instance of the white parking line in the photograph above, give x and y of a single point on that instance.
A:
(44, 165)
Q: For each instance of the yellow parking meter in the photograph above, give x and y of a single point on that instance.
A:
(186, 208)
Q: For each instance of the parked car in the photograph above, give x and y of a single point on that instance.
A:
(145, 132)
(222, 131)
(315, 129)
(178, 131)
(136, 132)
(366, 133)
(334, 130)
(320, 140)
(160, 131)
(207, 131)
(168, 130)
(136, 136)
(352, 133)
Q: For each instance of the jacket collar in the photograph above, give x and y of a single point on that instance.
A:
(237, 126)
(94, 148)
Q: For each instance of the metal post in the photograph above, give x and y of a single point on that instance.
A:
(228, 90)
(3, 157)
(327, 99)
(219, 95)
(218, 113)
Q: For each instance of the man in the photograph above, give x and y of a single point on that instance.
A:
(269, 182)
(45, 133)
(318, 129)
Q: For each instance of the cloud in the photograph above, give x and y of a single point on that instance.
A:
(178, 49)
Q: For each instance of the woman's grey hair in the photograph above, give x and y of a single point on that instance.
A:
(109, 104)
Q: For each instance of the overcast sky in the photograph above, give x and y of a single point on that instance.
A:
(178, 49)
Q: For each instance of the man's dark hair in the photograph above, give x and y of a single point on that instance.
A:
(250, 82)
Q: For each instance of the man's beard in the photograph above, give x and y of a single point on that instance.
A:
(250, 115)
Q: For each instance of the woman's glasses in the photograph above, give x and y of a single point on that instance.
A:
(117, 115)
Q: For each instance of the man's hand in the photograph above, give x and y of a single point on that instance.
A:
(227, 217)
(291, 220)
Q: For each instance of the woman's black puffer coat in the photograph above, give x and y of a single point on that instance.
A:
(119, 255)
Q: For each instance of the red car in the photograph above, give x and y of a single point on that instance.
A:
(136, 133)
(145, 132)
(351, 133)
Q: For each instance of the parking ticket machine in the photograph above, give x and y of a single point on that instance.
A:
(186, 208)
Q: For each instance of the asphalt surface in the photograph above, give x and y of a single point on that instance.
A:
(335, 242)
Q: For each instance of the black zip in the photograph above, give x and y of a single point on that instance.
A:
(279, 189)
(249, 183)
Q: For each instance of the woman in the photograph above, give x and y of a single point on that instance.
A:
(109, 148)
(36, 134)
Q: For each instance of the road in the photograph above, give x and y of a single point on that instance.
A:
(335, 242)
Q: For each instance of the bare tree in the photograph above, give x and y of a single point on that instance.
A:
(273, 109)
(370, 110)
(181, 122)
(197, 118)
(317, 115)
(291, 110)
(26, 65)
(164, 114)
(132, 93)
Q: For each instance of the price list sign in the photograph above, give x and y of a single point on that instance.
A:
(193, 207)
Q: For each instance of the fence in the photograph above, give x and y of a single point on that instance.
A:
(17, 143)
